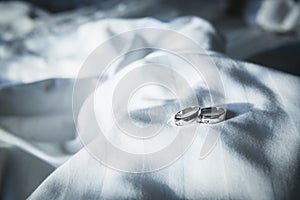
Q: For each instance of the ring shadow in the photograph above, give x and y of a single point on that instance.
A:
(234, 110)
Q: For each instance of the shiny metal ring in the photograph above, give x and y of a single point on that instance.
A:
(187, 115)
(211, 115)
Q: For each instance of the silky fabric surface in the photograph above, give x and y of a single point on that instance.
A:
(37, 127)
(257, 155)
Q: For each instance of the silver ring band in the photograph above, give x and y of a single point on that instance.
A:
(211, 115)
(187, 115)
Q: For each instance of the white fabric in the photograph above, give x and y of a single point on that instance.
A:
(279, 15)
(257, 156)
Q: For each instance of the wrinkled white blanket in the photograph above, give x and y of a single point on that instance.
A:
(256, 157)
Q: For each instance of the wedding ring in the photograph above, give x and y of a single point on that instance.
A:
(187, 115)
(211, 115)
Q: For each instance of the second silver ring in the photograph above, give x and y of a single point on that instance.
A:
(212, 115)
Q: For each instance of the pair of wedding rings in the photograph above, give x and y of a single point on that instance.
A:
(209, 115)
